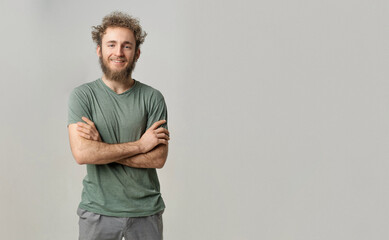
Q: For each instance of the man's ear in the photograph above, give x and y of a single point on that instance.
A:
(137, 54)
(98, 50)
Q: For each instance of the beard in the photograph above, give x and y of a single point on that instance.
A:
(119, 76)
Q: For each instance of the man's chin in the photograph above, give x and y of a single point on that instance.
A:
(117, 72)
(118, 75)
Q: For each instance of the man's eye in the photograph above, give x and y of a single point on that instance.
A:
(128, 47)
(110, 45)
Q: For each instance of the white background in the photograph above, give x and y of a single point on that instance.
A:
(278, 112)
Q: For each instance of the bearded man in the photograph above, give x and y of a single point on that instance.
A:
(118, 128)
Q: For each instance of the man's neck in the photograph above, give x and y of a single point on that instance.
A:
(119, 86)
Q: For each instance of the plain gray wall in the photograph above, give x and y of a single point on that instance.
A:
(278, 112)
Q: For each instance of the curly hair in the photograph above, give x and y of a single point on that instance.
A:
(119, 19)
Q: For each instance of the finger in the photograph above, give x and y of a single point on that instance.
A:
(163, 136)
(86, 136)
(84, 125)
(89, 137)
(162, 130)
(157, 124)
(85, 130)
(89, 128)
(163, 141)
(88, 121)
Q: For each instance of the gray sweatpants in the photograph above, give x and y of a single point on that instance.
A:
(94, 226)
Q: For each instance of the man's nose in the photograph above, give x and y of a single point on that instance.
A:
(119, 51)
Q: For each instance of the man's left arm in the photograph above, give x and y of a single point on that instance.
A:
(155, 158)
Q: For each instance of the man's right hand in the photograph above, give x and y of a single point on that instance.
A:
(154, 136)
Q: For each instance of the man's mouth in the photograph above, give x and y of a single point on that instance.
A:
(117, 60)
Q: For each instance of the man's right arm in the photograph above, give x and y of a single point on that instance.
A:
(87, 151)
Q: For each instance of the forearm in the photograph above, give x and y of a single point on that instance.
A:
(87, 147)
(94, 152)
(87, 151)
(155, 158)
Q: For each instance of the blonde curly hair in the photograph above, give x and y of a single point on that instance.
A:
(119, 19)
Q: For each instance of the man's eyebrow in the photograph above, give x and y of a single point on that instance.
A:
(126, 42)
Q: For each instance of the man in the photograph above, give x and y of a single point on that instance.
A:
(117, 127)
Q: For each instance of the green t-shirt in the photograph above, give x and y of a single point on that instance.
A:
(114, 189)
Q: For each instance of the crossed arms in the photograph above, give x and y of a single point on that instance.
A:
(150, 151)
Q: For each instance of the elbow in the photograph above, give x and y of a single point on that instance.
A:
(162, 158)
(160, 166)
(80, 158)
(80, 161)
(161, 162)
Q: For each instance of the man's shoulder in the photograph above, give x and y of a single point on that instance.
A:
(88, 85)
(150, 91)
(85, 88)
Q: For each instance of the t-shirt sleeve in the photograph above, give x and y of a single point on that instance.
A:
(158, 111)
(78, 106)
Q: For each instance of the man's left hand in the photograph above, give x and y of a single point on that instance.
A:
(88, 130)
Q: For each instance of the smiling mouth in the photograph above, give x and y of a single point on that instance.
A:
(117, 61)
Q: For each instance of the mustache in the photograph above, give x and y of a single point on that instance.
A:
(118, 58)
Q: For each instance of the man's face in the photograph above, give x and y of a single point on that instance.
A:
(117, 53)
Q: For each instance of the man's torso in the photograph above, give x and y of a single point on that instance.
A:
(114, 189)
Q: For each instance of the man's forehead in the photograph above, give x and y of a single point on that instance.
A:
(113, 34)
